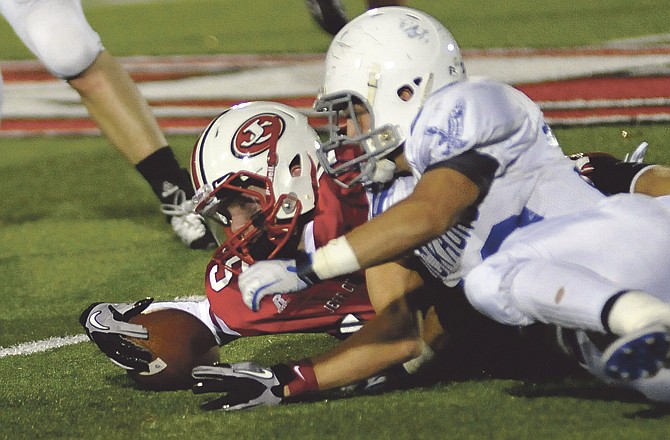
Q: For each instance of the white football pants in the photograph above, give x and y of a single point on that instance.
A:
(563, 270)
(56, 31)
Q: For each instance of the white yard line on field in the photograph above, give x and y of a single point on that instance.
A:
(41, 346)
(63, 341)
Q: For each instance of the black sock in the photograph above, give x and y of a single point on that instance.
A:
(607, 308)
(164, 174)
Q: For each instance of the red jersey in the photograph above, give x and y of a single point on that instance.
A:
(338, 306)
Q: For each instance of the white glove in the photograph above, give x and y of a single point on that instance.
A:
(269, 277)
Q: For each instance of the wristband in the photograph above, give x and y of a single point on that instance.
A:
(612, 177)
(304, 269)
(334, 259)
(304, 380)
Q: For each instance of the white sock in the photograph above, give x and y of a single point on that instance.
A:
(635, 310)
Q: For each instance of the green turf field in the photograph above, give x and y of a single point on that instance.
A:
(78, 224)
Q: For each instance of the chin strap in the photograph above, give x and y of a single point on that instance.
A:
(384, 171)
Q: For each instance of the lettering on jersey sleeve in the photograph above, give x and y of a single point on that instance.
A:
(340, 296)
(280, 302)
(442, 256)
(443, 143)
(551, 139)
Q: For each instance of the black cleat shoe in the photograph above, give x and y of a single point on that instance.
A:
(328, 13)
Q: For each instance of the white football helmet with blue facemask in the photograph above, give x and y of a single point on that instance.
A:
(389, 60)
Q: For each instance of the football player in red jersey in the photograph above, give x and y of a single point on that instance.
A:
(258, 186)
(260, 190)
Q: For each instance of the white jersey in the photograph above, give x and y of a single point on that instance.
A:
(383, 197)
(531, 180)
(516, 270)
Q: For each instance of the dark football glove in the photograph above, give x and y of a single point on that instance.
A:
(108, 324)
(248, 385)
(607, 173)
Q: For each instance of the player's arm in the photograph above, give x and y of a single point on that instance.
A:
(435, 205)
(447, 189)
(391, 338)
(388, 339)
(654, 181)
(390, 281)
(438, 200)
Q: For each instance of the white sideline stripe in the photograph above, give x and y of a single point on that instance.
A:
(579, 104)
(41, 346)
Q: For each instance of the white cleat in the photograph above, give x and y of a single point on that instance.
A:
(189, 226)
(637, 156)
(638, 355)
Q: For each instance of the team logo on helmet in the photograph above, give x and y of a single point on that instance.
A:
(257, 135)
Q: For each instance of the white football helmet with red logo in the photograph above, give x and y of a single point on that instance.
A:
(260, 145)
(389, 60)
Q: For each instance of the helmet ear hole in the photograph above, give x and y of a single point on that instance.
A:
(405, 92)
(295, 166)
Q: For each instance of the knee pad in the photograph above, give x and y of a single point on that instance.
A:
(59, 35)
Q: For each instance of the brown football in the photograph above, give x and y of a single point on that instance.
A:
(181, 342)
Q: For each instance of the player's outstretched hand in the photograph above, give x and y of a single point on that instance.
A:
(245, 384)
(107, 324)
(269, 277)
(248, 385)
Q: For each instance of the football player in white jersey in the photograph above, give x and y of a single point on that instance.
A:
(489, 174)
(59, 35)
